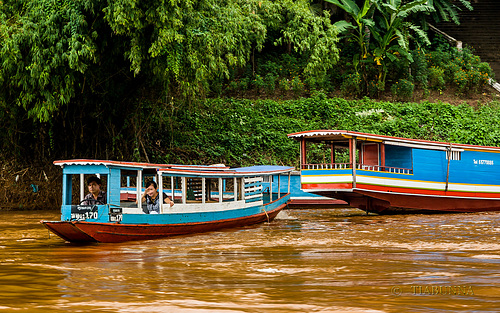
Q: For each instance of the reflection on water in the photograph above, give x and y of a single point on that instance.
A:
(307, 261)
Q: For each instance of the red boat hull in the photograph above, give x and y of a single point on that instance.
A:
(68, 231)
(81, 231)
(391, 203)
(316, 203)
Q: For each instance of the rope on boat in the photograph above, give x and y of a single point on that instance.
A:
(266, 214)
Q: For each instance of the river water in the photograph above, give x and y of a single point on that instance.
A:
(338, 260)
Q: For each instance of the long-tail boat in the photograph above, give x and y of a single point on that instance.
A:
(206, 198)
(393, 175)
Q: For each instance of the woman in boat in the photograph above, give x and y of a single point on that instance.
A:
(95, 195)
(152, 198)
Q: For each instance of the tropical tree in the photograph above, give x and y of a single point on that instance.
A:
(392, 32)
(310, 33)
(44, 49)
(362, 17)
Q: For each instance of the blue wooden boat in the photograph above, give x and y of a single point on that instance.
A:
(393, 175)
(206, 198)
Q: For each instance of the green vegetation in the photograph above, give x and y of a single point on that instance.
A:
(206, 81)
(255, 131)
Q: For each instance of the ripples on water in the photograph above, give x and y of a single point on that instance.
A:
(306, 261)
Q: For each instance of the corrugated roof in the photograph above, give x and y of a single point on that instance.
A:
(336, 135)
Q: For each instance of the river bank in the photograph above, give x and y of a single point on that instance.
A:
(241, 132)
(29, 187)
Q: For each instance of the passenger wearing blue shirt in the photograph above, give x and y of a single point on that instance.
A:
(152, 198)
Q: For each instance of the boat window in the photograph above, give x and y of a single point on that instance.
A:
(228, 189)
(454, 155)
(175, 187)
(398, 157)
(329, 154)
(194, 189)
(128, 188)
(212, 191)
(170, 184)
(80, 188)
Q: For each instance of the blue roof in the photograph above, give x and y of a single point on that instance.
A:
(263, 168)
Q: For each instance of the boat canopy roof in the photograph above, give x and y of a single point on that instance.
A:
(257, 170)
(178, 169)
(107, 163)
(343, 135)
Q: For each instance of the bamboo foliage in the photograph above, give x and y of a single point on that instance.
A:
(53, 52)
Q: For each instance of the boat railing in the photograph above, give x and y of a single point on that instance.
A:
(326, 166)
(338, 166)
(390, 169)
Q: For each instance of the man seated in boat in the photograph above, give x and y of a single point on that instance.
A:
(95, 195)
(152, 198)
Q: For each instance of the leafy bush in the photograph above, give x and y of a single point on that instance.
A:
(419, 68)
(436, 78)
(471, 80)
(403, 90)
(258, 82)
(244, 82)
(284, 84)
(351, 86)
(270, 82)
(435, 70)
(297, 85)
(375, 88)
(461, 69)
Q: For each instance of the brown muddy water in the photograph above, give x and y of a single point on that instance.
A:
(307, 261)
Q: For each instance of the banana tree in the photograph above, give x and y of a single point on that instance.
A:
(362, 19)
(391, 31)
(447, 10)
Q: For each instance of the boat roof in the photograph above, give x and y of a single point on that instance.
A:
(181, 169)
(257, 170)
(342, 135)
(137, 165)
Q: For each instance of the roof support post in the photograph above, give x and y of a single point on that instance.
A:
(184, 189)
(173, 188)
(352, 143)
(382, 156)
(448, 154)
(235, 183)
(332, 153)
(203, 190)
(82, 187)
(303, 152)
(221, 195)
(271, 188)
(289, 175)
(160, 191)
(242, 190)
(139, 188)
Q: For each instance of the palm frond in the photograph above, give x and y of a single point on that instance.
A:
(343, 26)
(420, 33)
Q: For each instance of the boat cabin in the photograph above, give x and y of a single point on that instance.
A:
(192, 188)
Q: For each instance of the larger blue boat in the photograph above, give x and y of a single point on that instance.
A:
(388, 175)
(206, 198)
